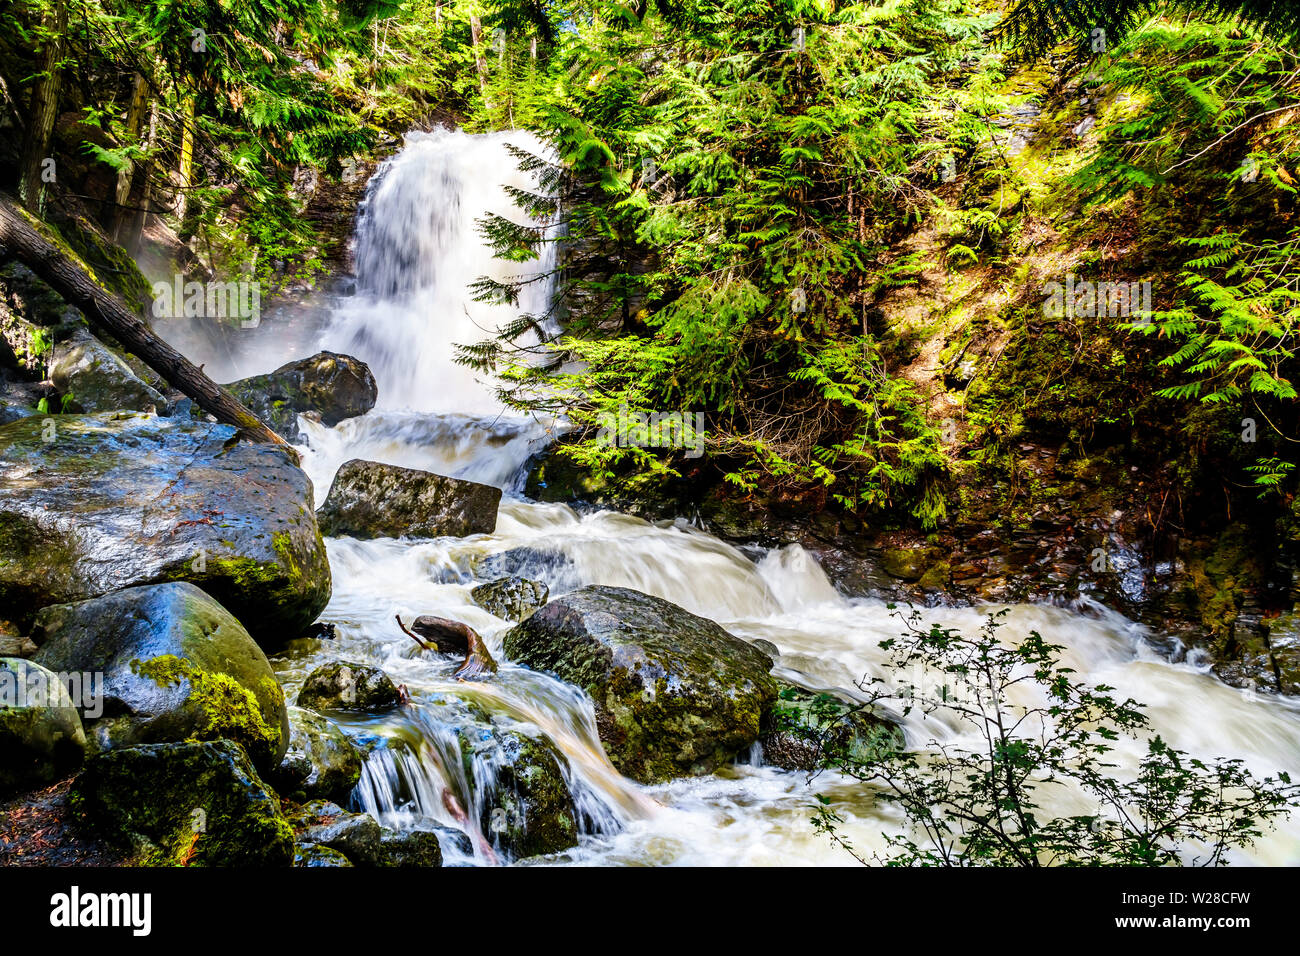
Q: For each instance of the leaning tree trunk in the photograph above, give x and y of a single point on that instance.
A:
(45, 110)
(20, 235)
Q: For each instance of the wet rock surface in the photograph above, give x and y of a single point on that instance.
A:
(95, 503)
(373, 500)
(41, 737)
(320, 761)
(348, 686)
(94, 379)
(512, 598)
(197, 804)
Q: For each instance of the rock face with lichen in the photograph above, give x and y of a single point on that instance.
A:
(675, 694)
(95, 503)
(40, 729)
(175, 666)
(93, 379)
(369, 499)
(186, 804)
(511, 598)
(333, 386)
(508, 778)
(346, 686)
(526, 809)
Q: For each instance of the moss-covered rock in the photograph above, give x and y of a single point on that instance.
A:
(94, 503)
(322, 823)
(41, 738)
(175, 666)
(807, 728)
(526, 808)
(905, 563)
(333, 386)
(510, 598)
(409, 849)
(185, 804)
(369, 499)
(675, 694)
(346, 686)
(94, 379)
(33, 317)
(320, 761)
(311, 855)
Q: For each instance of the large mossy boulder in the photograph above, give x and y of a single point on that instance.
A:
(807, 728)
(511, 598)
(346, 686)
(369, 499)
(198, 804)
(95, 379)
(175, 666)
(320, 761)
(41, 738)
(675, 694)
(333, 386)
(94, 503)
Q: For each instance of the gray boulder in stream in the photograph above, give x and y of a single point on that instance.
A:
(174, 664)
(369, 499)
(675, 694)
(333, 386)
(94, 503)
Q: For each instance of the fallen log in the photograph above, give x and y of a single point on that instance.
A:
(22, 236)
(445, 636)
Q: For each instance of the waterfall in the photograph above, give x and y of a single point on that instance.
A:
(417, 248)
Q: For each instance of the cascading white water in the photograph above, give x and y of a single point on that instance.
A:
(417, 249)
(416, 253)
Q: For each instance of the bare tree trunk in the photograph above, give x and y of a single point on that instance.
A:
(134, 126)
(45, 110)
(23, 237)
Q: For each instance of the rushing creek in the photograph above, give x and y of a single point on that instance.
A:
(417, 249)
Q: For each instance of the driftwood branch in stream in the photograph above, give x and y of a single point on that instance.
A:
(24, 238)
(446, 636)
